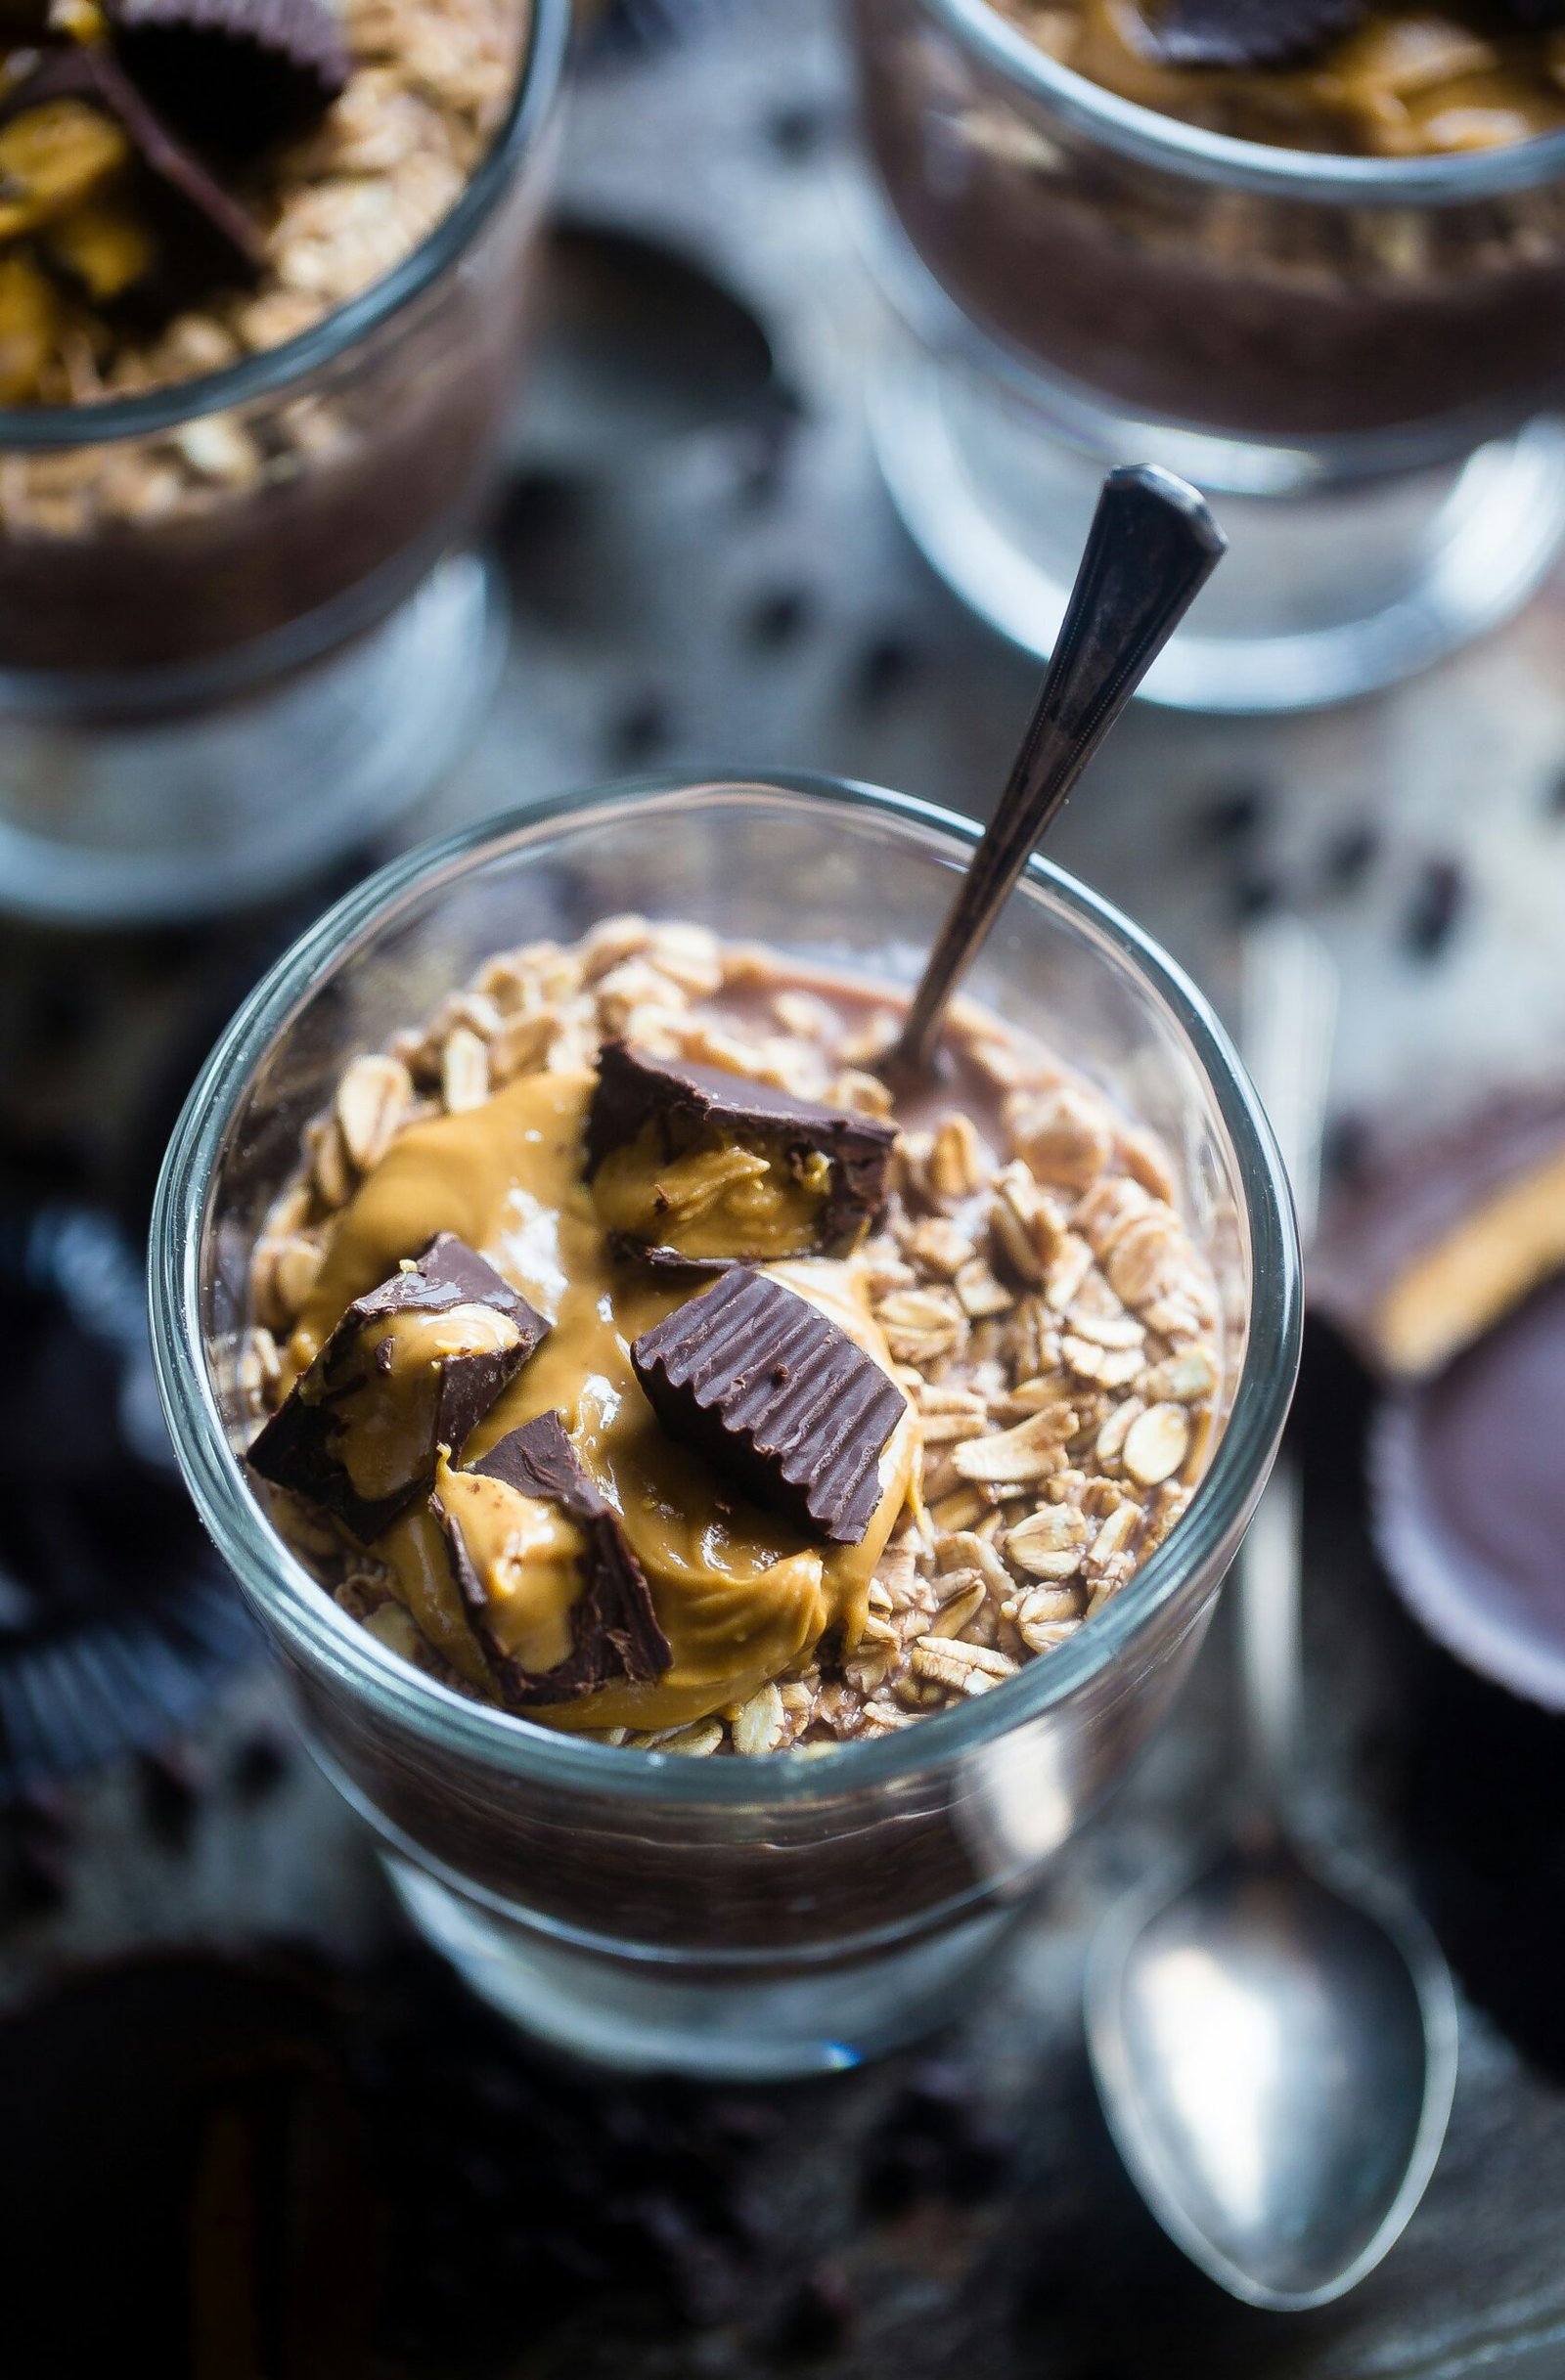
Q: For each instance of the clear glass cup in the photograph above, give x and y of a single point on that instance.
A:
(240, 622)
(722, 1916)
(1359, 357)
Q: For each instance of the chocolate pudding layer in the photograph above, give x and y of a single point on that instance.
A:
(1254, 311)
(313, 153)
(628, 1361)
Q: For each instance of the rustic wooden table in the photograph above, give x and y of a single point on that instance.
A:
(695, 425)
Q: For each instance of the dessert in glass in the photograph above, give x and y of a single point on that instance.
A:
(264, 279)
(726, 1529)
(1309, 255)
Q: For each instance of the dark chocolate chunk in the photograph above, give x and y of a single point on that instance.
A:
(613, 1627)
(90, 72)
(1248, 33)
(778, 1400)
(298, 1448)
(695, 1107)
(232, 75)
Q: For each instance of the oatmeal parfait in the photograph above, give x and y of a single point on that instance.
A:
(624, 1356)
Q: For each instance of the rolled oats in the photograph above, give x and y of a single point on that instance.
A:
(1061, 1423)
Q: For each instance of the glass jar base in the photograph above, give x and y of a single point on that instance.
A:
(138, 802)
(1326, 592)
(640, 2015)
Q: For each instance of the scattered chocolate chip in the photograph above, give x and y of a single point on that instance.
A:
(777, 619)
(1232, 816)
(1247, 33)
(933, 2142)
(1346, 1148)
(232, 75)
(1253, 893)
(808, 1450)
(613, 1627)
(1349, 858)
(299, 1449)
(172, 1783)
(640, 730)
(886, 665)
(799, 130)
(260, 1764)
(1435, 909)
(685, 1109)
(816, 2318)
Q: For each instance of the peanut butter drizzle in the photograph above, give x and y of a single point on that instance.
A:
(1412, 81)
(385, 1427)
(739, 1596)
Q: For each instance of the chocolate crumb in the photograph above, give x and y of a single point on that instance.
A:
(260, 1765)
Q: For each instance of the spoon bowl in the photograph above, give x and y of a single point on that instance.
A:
(1277, 2060)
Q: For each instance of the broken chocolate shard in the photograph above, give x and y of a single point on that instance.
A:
(232, 75)
(306, 1446)
(89, 72)
(778, 1399)
(1248, 33)
(828, 1167)
(613, 1627)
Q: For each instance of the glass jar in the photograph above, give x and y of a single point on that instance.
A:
(240, 622)
(723, 1916)
(1360, 354)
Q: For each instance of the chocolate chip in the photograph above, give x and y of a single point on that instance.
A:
(1248, 33)
(885, 666)
(1435, 909)
(640, 730)
(1231, 815)
(171, 1783)
(1349, 858)
(778, 619)
(799, 130)
(808, 1450)
(1252, 894)
(260, 1764)
(232, 75)
(816, 2318)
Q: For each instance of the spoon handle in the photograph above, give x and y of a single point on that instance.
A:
(1151, 548)
(1290, 1012)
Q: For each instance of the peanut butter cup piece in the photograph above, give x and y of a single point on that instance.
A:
(1439, 1236)
(90, 76)
(690, 1165)
(528, 1522)
(1247, 33)
(777, 1398)
(232, 75)
(411, 1368)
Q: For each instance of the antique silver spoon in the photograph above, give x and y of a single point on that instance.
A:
(1276, 2052)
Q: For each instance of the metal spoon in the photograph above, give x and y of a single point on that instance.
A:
(1276, 2053)
(1152, 549)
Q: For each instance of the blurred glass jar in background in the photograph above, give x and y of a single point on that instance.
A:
(240, 623)
(1357, 351)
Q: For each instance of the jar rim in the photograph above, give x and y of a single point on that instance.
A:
(278, 1582)
(1200, 156)
(46, 428)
